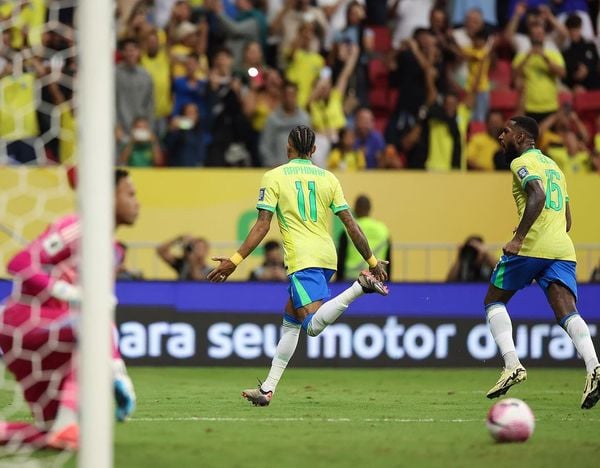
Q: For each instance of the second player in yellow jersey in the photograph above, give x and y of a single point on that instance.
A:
(540, 250)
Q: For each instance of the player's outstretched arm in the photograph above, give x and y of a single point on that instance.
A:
(376, 266)
(51, 247)
(254, 237)
(536, 198)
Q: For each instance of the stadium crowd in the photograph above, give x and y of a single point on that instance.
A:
(418, 84)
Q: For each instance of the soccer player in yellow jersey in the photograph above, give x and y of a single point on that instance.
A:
(301, 195)
(542, 250)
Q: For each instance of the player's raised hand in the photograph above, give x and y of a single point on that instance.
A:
(379, 271)
(222, 272)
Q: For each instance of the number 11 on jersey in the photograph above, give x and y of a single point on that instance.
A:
(312, 200)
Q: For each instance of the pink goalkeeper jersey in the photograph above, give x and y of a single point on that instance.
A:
(52, 256)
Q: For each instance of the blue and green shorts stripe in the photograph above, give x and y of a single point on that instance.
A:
(514, 272)
(309, 285)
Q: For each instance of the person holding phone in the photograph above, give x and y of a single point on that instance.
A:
(538, 71)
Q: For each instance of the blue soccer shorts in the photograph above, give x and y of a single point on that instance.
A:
(515, 272)
(309, 285)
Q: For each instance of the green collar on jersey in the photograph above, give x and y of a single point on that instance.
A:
(300, 161)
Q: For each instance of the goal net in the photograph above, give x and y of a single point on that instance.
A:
(48, 251)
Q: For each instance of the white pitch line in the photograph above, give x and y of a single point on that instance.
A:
(329, 420)
(337, 420)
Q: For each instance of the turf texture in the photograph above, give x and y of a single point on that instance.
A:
(196, 417)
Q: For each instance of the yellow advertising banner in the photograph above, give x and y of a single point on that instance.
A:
(428, 214)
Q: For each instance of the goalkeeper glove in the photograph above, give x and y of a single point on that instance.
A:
(67, 292)
(124, 393)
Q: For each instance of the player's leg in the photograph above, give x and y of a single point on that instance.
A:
(19, 433)
(58, 403)
(330, 311)
(64, 433)
(50, 386)
(500, 324)
(308, 289)
(559, 284)
(501, 329)
(511, 274)
(290, 333)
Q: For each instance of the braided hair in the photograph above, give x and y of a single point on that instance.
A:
(302, 139)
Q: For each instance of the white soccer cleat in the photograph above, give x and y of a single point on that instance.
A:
(508, 378)
(370, 284)
(591, 391)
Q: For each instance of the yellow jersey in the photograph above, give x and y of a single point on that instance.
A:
(301, 194)
(159, 68)
(303, 70)
(481, 150)
(441, 142)
(548, 236)
(353, 160)
(541, 86)
(18, 118)
(328, 115)
(477, 58)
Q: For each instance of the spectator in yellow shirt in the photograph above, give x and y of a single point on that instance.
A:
(596, 153)
(326, 105)
(304, 64)
(483, 146)
(448, 125)
(155, 60)
(478, 58)
(564, 137)
(189, 39)
(344, 157)
(538, 71)
(18, 121)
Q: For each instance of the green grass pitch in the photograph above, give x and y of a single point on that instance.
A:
(350, 418)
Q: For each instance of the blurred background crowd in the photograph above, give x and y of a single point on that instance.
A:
(394, 84)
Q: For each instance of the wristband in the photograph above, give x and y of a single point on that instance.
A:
(236, 258)
(372, 261)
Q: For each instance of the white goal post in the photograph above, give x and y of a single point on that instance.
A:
(96, 204)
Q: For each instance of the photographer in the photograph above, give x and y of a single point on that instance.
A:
(272, 268)
(142, 149)
(191, 264)
(473, 263)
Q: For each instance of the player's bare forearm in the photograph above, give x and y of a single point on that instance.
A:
(536, 199)
(356, 235)
(568, 216)
(257, 233)
(255, 236)
(534, 206)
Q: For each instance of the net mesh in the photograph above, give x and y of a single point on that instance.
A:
(37, 237)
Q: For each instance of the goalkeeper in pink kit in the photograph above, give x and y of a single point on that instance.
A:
(38, 330)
